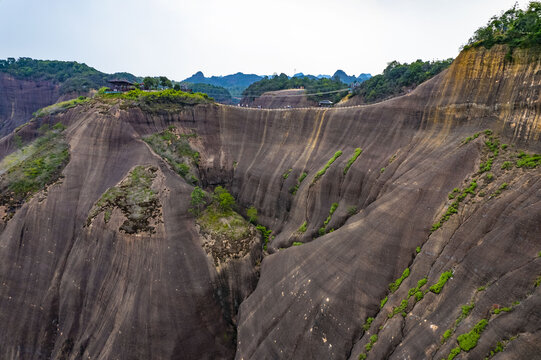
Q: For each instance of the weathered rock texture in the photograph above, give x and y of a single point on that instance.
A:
(20, 98)
(69, 291)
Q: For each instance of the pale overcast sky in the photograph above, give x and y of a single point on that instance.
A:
(178, 38)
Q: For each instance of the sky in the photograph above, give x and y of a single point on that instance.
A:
(179, 38)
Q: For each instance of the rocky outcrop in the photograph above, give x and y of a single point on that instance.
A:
(70, 291)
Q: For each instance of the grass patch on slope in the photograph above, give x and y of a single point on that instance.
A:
(157, 101)
(322, 172)
(32, 167)
(176, 150)
(61, 106)
(352, 159)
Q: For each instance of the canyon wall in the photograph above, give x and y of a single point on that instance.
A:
(73, 291)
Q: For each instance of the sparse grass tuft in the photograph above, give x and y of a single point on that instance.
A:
(32, 167)
(454, 352)
(176, 150)
(528, 161)
(293, 190)
(322, 172)
(367, 324)
(61, 106)
(352, 159)
(285, 175)
(396, 284)
(466, 310)
(469, 340)
(437, 287)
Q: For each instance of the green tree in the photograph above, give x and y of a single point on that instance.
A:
(199, 200)
(223, 198)
(165, 82)
(150, 83)
(252, 214)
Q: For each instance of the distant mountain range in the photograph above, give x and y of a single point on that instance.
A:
(345, 78)
(236, 83)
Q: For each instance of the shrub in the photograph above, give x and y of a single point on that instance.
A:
(486, 166)
(421, 283)
(252, 214)
(303, 227)
(528, 161)
(399, 309)
(446, 335)
(367, 324)
(321, 172)
(417, 249)
(493, 146)
(454, 352)
(396, 284)
(490, 177)
(373, 340)
(352, 210)
(198, 200)
(503, 309)
(382, 170)
(266, 235)
(466, 309)
(224, 199)
(419, 296)
(437, 287)
(297, 243)
(469, 340)
(352, 159)
(384, 301)
(362, 356)
(293, 190)
(286, 174)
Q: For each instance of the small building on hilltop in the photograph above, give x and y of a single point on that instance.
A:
(119, 85)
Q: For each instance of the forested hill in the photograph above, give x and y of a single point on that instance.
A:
(515, 27)
(398, 78)
(72, 76)
(312, 86)
(234, 83)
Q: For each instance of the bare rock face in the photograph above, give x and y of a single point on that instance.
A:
(418, 197)
(20, 98)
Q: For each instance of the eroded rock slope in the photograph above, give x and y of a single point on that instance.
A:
(359, 218)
